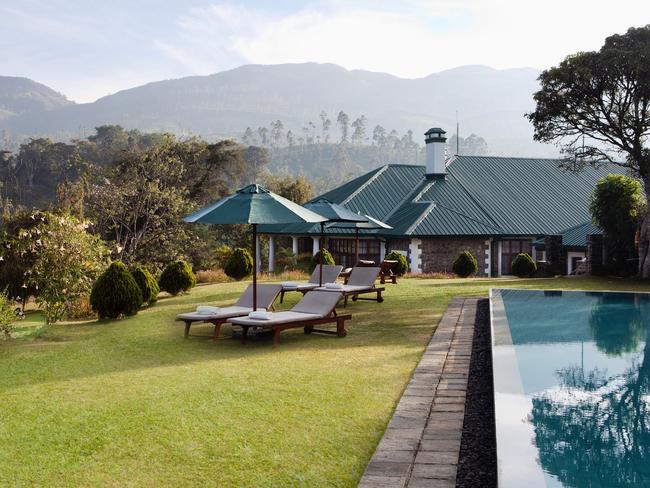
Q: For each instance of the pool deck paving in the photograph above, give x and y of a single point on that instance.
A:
(421, 444)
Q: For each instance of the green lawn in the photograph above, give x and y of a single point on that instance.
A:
(131, 403)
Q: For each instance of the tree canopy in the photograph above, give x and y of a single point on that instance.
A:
(595, 106)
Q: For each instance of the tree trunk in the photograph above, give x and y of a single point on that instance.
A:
(644, 241)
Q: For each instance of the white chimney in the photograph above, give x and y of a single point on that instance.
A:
(435, 140)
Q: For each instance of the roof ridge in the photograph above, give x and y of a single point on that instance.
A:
(424, 215)
(475, 200)
(406, 199)
(364, 185)
(528, 158)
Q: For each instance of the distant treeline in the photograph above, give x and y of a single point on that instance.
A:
(329, 156)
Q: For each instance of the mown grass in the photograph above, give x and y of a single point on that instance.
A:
(131, 403)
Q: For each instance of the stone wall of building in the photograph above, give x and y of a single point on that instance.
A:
(595, 254)
(555, 254)
(439, 253)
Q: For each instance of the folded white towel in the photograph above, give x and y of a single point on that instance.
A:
(289, 284)
(260, 314)
(334, 286)
(207, 310)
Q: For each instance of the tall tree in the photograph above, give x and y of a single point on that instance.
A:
(596, 106)
(616, 205)
(326, 124)
(359, 132)
(263, 132)
(379, 135)
(343, 120)
(249, 138)
(277, 133)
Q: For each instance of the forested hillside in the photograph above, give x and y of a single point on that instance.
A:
(24, 96)
(222, 105)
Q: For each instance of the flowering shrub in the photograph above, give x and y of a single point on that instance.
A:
(65, 259)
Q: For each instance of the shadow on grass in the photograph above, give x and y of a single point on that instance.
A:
(152, 339)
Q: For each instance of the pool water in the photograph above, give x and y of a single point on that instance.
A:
(571, 388)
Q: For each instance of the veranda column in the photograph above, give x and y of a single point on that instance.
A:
(271, 254)
(258, 255)
(294, 245)
(316, 245)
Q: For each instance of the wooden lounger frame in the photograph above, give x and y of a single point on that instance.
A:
(307, 325)
(216, 322)
(355, 295)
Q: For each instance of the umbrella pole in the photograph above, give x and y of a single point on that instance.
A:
(356, 246)
(254, 267)
(322, 238)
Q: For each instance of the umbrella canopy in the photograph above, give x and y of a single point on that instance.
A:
(370, 223)
(334, 213)
(254, 205)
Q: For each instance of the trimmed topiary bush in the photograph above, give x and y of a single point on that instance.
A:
(315, 260)
(177, 277)
(240, 264)
(147, 283)
(465, 265)
(402, 265)
(524, 266)
(115, 293)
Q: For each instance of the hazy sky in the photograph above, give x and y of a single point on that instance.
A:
(90, 48)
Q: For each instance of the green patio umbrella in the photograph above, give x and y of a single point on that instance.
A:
(254, 205)
(369, 223)
(334, 213)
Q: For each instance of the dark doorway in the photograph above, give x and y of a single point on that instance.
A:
(509, 250)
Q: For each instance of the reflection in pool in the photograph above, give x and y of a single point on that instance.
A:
(572, 384)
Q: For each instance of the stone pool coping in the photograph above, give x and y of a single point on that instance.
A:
(421, 444)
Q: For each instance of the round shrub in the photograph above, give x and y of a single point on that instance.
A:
(177, 277)
(524, 266)
(465, 265)
(222, 255)
(147, 283)
(115, 293)
(240, 264)
(315, 260)
(402, 265)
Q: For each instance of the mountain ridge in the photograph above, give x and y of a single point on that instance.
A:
(19, 95)
(489, 102)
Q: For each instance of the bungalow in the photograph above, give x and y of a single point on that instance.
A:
(495, 207)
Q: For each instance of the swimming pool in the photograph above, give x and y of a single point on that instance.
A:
(571, 388)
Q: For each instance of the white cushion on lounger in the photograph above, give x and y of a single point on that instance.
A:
(346, 288)
(207, 310)
(309, 286)
(224, 313)
(290, 284)
(334, 286)
(276, 318)
(259, 315)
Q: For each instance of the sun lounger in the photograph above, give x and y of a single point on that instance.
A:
(330, 273)
(266, 295)
(386, 272)
(315, 308)
(360, 282)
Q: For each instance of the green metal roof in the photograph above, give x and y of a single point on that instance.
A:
(574, 236)
(480, 195)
